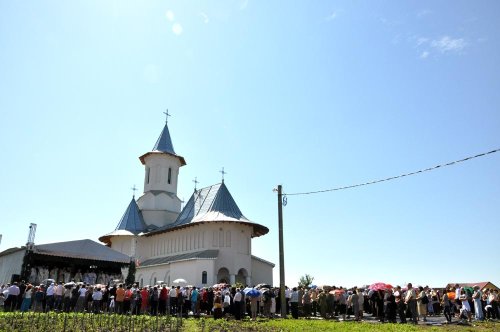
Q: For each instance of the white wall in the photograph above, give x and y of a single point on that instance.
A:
(123, 244)
(158, 164)
(190, 270)
(262, 272)
(10, 264)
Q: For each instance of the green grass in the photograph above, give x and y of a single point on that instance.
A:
(53, 322)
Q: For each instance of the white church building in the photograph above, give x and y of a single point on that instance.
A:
(209, 241)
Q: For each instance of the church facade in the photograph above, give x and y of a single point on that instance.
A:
(209, 241)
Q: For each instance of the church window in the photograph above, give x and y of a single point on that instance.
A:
(142, 283)
(214, 240)
(169, 175)
(154, 283)
(221, 238)
(147, 174)
(157, 174)
(204, 277)
(228, 238)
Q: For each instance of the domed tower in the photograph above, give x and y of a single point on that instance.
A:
(159, 204)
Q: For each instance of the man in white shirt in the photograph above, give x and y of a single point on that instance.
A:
(96, 300)
(288, 295)
(58, 296)
(411, 302)
(50, 297)
(237, 304)
(173, 300)
(11, 299)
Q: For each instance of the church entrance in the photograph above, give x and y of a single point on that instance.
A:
(223, 275)
(241, 277)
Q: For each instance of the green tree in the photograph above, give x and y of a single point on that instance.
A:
(131, 274)
(306, 280)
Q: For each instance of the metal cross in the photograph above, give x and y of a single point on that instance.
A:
(195, 183)
(134, 189)
(223, 173)
(166, 116)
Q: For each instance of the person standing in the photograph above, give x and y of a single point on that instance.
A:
(162, 304)
(26, 304)
(294, 303)
(422, 301)
(400, 304)
(353, 301)
(237, 304)
(306, 304)
(478, 308)
(411, 302)
(50, 297)
(119, 298)
(155, 297)
(96, 300)
(465, 311)
(445, 302)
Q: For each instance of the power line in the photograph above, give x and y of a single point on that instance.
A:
(397, 176)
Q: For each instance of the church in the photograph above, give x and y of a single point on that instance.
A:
(208, 241)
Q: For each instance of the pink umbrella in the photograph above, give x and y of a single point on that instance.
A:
(336, 291)
(380, 286)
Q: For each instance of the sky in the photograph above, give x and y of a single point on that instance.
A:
(309, 95)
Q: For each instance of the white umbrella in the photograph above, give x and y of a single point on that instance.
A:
(179, 281)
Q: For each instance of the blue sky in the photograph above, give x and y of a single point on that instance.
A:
(307, 95)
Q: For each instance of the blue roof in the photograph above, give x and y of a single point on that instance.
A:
(215, 198)
(132, 220)
(164, 142)
(210, 204)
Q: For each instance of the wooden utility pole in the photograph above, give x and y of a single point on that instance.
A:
(282, 254)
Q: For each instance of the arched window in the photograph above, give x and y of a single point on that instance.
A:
(204, 277)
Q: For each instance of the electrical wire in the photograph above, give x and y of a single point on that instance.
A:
(395, 177)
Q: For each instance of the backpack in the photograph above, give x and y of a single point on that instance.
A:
(425, 299)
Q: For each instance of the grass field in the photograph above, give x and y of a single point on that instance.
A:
(53, 322)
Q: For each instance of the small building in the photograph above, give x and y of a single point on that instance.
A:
(482, 285)
(82, 260)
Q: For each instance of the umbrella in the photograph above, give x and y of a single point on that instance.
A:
(336, 291)
(220, 285)
(264, 290)
(69, 284)
(179, 281)
(380, 286)
(259, 286)
(253, 293)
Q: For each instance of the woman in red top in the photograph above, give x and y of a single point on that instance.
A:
(144, 300)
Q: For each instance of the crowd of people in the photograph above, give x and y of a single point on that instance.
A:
(387, 304)
(409, 304)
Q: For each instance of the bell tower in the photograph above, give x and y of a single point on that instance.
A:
(159, 204)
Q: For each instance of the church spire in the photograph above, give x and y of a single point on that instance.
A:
(164, 142)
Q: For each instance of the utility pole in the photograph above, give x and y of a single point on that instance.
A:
(282, 254)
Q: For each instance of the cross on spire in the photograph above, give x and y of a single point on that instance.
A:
(195, 183)
(223, 173)
(166, 116)
(134, 189)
